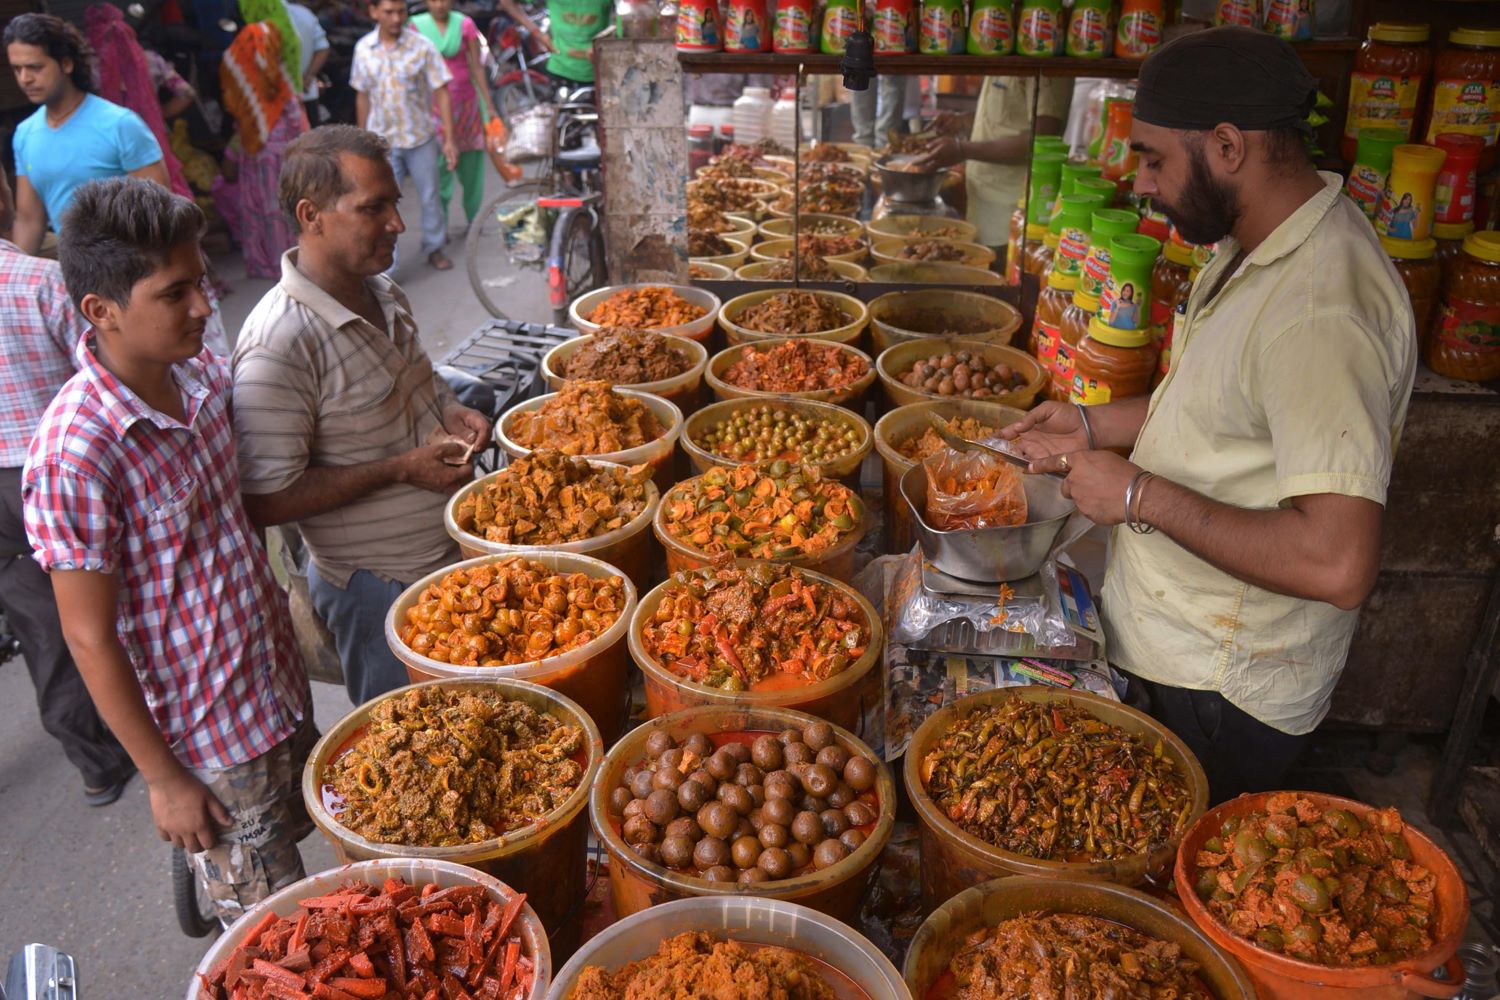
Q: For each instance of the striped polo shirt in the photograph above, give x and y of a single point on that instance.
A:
(315, 384)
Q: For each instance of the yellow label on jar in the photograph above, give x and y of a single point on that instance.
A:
(1471, 107)
(1089, 391)
(1380, 100)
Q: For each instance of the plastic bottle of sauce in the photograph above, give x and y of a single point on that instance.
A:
(1072, 222)
(1371, 166)
(1406, 202)
(1013, 244)
(1465, 340)
(1112, 364)
(1416, 262)
(1450, 238)
(1089, 34)
(943, 30)
(1154, 222)
(1046, 327)
(1388, 87)
(1466, 90)
(1126, 302)
(992, 30)
(1039, 30)
(748, 27)
(794, 27)
(1171, 279)
(1105, 224)
(840, 18)
(1072, 172)
(1118, 158)
(1242, 13)
(1075, 326)
(698, 26)
(1140, 28)
(1290, 20)
(1046, 175)
(895, 29)
(1453, 197)
(1037, 259)
(1106, 189)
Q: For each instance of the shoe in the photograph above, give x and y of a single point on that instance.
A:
(439, 261)
(97, 797)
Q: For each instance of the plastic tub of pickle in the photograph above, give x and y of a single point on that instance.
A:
(418, 872)
(901, 316)
(841, 699)
(954, 859)
(658, 453)
(698, 329)
(756, 186)
(761, 270)
(896, 360)
(943, 934)
(928, 273)
(856, 316)
(637, 882)
(628, 548)
(781, 249)
(546, 860)
(845, 959)
(922, 227)
(851, 395)
(781, 229)
(837, 560)
(733, 259)
(903, 424)
(844, 468)
(699, 271)
(887, 250)
(682, 389)
(594, 674)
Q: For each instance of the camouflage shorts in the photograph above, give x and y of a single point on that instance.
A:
(258, 854)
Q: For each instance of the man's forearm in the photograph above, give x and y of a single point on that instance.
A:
(361, 108)
(319, 489)
(29, 231)
(1117, 425)
(445, 113)
(117, 694)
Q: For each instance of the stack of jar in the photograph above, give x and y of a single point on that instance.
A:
(1171, 280)
(1115, 357)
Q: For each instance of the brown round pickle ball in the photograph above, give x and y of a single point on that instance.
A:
(801, 855)
(752, 875)
(668, 778)
(658, 743)
(661, 807)
(647, 852)
(633, 808)
(718, 820)
(745, 852)
(797, 753)
(840, 796)
(852, 839)
(685, 826)
(807, 828)
(619, 798)
(736, 798)
(710, 851)
(765, 753)
(789, 736)
(834, 822)
(819, 780)
(779, 811)
(818, 735)
(691, 796)
(641, 785)
(719, 873)
(698, 745)
(828, 853)
(757, 794)
(720, 765)
(833, 757)
(860, 773)
(748, 774)
(677, 852)
(744, 828)
(781, 788)
(775, 862)
(738, 752)
(773, 835)
(860, 813)
(812, 803)
(709, 782)
(639, 830)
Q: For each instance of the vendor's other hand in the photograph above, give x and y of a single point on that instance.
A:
(186, 813)
(469, 425)
(1096, 482)
(941, 152)
(450, 153)
(431, 467)
(1052, 428)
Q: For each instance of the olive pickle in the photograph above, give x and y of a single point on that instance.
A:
(766, 433)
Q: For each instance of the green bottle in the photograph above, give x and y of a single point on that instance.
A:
(991, 31)
(840, 19)
(1046, 172)
(1089, 34)
(1039, 31)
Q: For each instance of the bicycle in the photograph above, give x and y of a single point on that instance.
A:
(551, 222)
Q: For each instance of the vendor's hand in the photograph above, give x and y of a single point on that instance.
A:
(940, 153)
(431, 468)
(1096, 481)
(186, 812)
(546, 41)
(1052, 428)
(470, 425)
(951, 123)
(450, 153)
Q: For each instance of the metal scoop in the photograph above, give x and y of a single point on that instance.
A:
(958, 442)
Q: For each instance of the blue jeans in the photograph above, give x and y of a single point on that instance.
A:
(356, 614)
(421, 165)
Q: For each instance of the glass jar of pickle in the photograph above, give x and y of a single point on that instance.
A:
(1013, 244)
(1075, 326)
(1112, 364)
(1465, 340)
(1450, 238)
(1416, 262)
(1037, 259)
(1047, 325)
(1171, 278)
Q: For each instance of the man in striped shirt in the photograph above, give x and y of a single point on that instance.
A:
(132, 503)
(343, 427)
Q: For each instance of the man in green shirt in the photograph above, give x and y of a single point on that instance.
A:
(574, 25)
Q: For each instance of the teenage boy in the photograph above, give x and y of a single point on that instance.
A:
(132, 503)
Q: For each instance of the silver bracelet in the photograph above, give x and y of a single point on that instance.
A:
(1133, 494)
(1087, 427)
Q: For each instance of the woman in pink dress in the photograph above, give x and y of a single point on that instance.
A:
(457, 41)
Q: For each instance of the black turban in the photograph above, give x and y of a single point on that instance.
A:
(1245, 77)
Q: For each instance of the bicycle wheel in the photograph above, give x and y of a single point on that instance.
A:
(194, 911)
(582, 260)
(508, 238)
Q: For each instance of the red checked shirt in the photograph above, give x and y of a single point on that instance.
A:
(114, 486)
(38, 330)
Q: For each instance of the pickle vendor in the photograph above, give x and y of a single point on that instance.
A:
(1248, 516)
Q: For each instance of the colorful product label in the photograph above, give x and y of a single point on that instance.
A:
(1453, 196)
(745, 29)
(1139, 34)
(698, 27)
(1048, 337)
(1088, 32)
(1089, 391)
(1244, 13)
(1161, 316)
(1037, 32)
(1291, 20)
(1403, 215)
(1123, 302)
(990, 32)
(1364, 186)
(894, 29)
(942, 31)
(1072, 248)
(1062, 366)
(1471, 107)
(1473, 326)
(793, 28)
(838, 24)
(1379, 100)
(1095, 271)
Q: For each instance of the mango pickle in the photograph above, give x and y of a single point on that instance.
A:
(773, 510)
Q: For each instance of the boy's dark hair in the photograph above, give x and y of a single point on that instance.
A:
(311, 168)
(117, 232)
(60, 40)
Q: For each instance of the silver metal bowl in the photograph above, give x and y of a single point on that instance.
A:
(906, 186)
(991, 555)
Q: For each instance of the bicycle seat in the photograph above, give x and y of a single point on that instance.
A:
(585, 156)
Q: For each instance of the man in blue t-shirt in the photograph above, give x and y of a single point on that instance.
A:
(75, 136)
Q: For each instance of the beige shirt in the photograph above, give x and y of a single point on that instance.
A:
(318, 385)
(1004, 110)
(1294, 381)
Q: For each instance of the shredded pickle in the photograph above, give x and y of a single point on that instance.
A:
(796, 366)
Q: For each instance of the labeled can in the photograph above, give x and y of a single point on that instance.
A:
(748, 27)
(1089, 29)
(698, 26)
(1389, 82)
(895, 30)
(1039, 30)
(1372, 163)
(1291, 20)
(1240, 13)
(1140, 28)
(1126, 302)
(1406, 200)
(793, 31)
(1453, 195)
(840, 20)
(1105, 225)
(991, 28)
(942, 31)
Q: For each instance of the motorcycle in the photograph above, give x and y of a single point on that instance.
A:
(517, 60)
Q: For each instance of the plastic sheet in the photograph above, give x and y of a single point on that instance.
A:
(914, 611)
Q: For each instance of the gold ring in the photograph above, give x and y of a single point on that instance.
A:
(1064, 462)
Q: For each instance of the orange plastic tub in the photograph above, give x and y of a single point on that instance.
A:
(635, 883)
(1278, 977)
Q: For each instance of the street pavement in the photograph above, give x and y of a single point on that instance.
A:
(96, 882)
